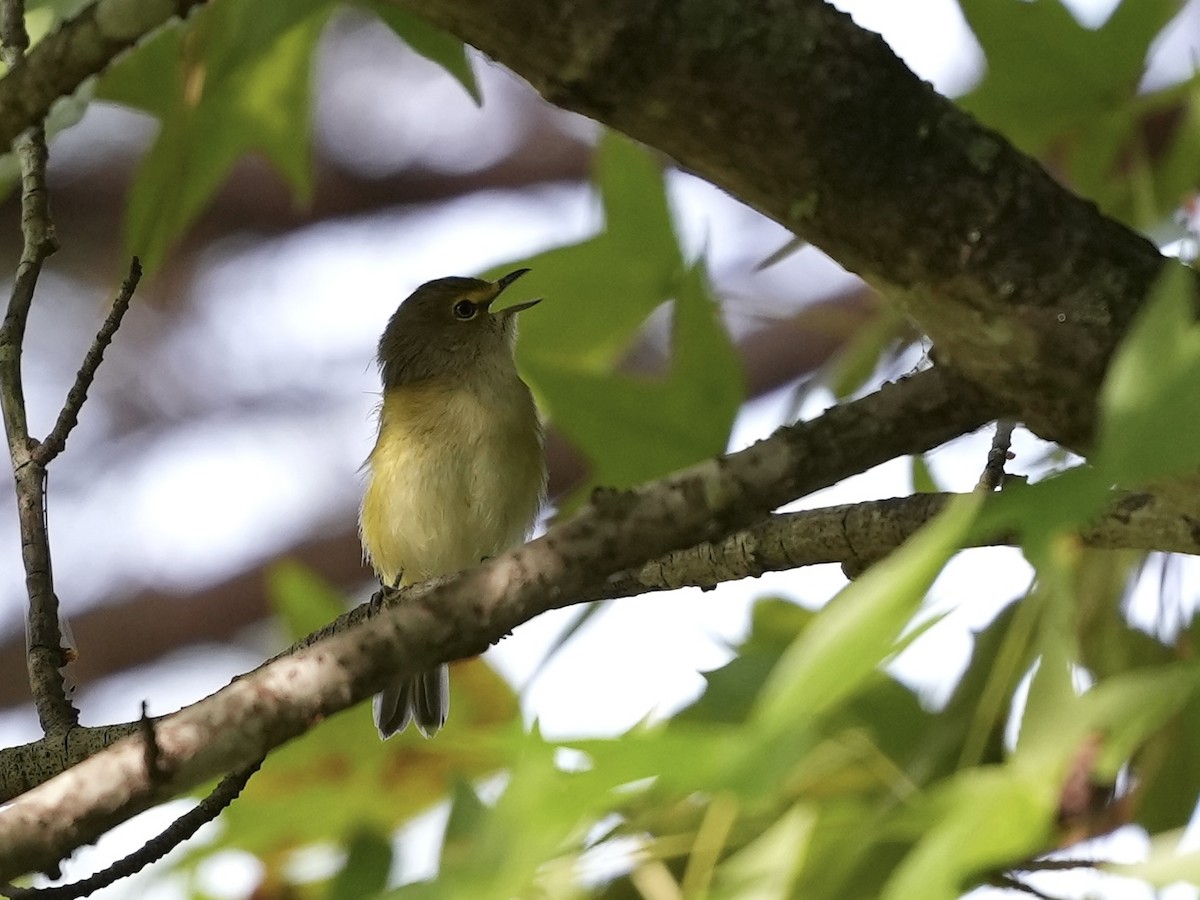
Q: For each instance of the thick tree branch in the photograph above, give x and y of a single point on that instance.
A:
(859, 534)
(773, 356)
(1024, 287)
(616, 531)
(153, 850)
(854, 535)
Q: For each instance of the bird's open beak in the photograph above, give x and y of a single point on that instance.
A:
(504, 282)
(508, 279)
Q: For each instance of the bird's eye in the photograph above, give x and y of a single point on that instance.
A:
(464, 309)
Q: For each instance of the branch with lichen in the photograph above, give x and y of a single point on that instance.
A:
(602, 552)
(853, 535)
(615, 532)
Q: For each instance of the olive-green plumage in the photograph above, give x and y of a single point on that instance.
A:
(458, 472)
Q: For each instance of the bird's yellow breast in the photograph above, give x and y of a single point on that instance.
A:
(457, 475)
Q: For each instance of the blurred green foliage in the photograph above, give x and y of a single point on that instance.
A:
(1069, 95)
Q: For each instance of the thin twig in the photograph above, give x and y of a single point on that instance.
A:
(68, 418)
(1056, 865)
(154, 766)
(45, 653)
(1015, 884)
(153, 850)
(993, 472)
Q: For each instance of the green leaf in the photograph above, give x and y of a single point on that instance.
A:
(633, 428)
(1056, 88)
(1165, 866)
(970, 730)
(1126, 709)
(365, 873)
(600, 291)
(1108, 644)
(542, 815)
(923, 481)
(340, 777)
(856, 362)
(1038, 512)
(1173, 173)
(234, 79)
(468, 817)
(302, 599)
(1148, 423)
(768, 867)
(958, 844)
(859, 629)
(732, 689)
(1053, 602)
(837, 867)
(432, 43)
(1167, 770)
(1047, 74)
(599, 294)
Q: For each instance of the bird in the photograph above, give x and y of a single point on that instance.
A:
(458, 471)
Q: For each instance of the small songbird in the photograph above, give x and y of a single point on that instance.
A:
(458, 472)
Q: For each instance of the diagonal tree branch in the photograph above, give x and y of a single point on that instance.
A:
(153, 850)
(616, 531)
(1023, 287)
(854, 535)
(68, 416)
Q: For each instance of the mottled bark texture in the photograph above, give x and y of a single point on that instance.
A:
(1023, 287)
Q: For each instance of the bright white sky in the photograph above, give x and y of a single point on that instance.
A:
(305, 310)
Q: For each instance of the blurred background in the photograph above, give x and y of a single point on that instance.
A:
(228, 423)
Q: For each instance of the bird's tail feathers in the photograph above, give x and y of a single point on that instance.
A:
(424, 699)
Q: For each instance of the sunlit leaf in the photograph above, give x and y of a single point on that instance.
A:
(600, 291)
(636, 428)
(923, 481)
(982, 819)
(1166, 865)
(1054, 86)
(767, 868)
(344, 770)
(1052, 687)
(859, 629)
(233, 80)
